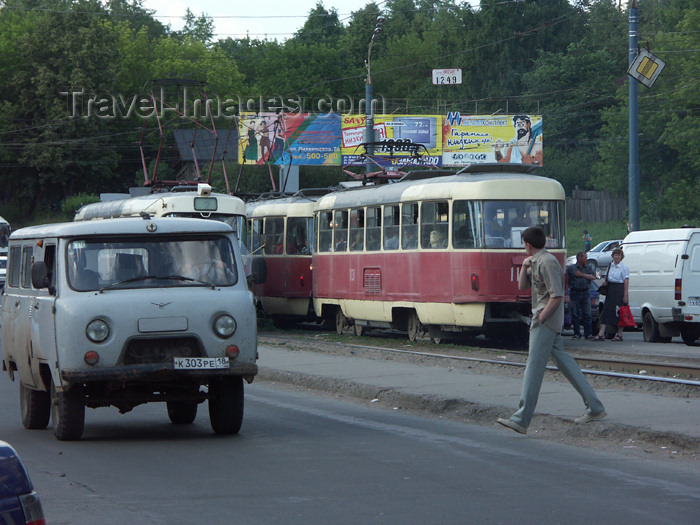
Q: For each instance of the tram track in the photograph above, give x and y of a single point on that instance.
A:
(624, 369)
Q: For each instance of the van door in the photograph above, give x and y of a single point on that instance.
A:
(24, 302)
(691, 278)
(42, 338)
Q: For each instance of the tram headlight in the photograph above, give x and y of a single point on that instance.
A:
(224, 326)
(97, 330)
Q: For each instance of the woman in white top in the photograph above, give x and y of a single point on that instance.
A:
(618, 279)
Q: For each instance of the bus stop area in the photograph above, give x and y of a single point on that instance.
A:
(639, 421)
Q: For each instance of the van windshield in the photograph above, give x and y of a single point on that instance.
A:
(101, 263)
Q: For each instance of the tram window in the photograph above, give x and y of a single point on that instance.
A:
(391, 227)
(340, 230)
(374, 228)
(257, 236)
(466, 231)
(297, 238)
(357, 230)
(434, 224)
(504, 222)
(325, 231)
(274, 235)
(409, 226)
(310, 233)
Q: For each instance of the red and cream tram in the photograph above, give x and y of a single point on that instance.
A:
(281, 231)
(437, 253)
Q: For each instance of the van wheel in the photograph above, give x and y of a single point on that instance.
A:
(68, 412)
(35, 407)
(341, 322)
(650, 328)
(689, 337)
(182, 412)
(226, 405)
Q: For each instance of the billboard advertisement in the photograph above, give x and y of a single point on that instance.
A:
(308, 139)
(398, 133)
(477, 139)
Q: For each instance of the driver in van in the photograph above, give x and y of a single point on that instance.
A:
(201, 261)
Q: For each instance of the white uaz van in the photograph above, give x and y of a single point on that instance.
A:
(128, 311)
(664, 286)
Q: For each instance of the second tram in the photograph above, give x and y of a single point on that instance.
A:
(438, 253)
(281, 231)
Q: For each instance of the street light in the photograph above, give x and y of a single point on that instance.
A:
(369, 117)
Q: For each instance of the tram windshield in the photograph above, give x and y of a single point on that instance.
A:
(102, 264)
(4, 235)
(499, 224)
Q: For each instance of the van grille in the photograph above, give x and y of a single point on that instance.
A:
(145, 351)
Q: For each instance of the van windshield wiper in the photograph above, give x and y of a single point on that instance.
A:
(161, 277)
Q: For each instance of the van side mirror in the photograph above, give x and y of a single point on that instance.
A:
(259, 270)
(40, 276)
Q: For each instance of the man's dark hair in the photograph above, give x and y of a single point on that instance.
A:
(534, 236)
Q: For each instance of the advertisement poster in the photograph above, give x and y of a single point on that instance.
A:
(473, 139)
(308, 139)
(398, 132)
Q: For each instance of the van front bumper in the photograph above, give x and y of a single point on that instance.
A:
(157, 372)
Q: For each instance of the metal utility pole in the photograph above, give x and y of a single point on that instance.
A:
(633, 173)
(369, 113)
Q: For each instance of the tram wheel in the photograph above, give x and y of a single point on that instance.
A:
(341, 322)
(415, 328)
(359, 329)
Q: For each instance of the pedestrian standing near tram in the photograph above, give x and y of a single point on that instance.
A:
(580, 276)
(542, 272)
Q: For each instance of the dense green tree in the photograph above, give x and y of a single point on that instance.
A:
(55, 152)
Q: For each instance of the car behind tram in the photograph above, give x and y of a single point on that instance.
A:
(281, 233)
(436, 254)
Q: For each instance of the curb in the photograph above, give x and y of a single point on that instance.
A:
(544, 426)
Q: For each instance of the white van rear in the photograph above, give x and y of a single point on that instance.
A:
(128, 311)
(664, 287)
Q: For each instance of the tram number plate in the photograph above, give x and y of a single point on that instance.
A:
(199, 363)
(693, 301)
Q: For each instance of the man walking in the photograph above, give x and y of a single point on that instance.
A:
(580, 277)
(542, 272)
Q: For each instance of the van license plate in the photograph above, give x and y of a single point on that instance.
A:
(199, 363)
(693, 301)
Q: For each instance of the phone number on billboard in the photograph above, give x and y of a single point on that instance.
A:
(468, 156)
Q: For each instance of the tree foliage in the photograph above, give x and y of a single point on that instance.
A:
(564, 60)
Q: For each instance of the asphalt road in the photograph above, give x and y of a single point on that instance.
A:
(306, 459)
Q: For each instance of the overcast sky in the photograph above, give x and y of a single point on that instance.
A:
(272, 19)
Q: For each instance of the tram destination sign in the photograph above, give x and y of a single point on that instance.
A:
(447, 77)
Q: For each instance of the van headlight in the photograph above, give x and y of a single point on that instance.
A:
(224, 326)
(97, 330)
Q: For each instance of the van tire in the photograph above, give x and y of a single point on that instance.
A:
(689, 337)
(68, 412)
(182, 412)
(226, 405)
(650, 328)
(35, 407)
